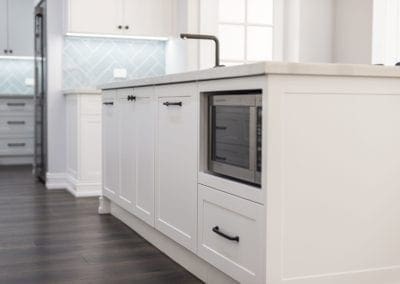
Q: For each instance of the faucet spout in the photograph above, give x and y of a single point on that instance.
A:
(206, 37)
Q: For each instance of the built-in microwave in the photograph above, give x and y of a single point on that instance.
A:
(235, 135)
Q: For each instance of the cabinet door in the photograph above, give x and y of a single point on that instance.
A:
(145, 132)
(176, 164)
(95, 16)
(148, 18)
(127, 145)
(3, 26)
(20, 27)
(110, 146)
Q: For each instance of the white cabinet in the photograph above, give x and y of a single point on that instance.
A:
(148, 18)
(3, 26)
(176, 163)
(95, 16)
(231, 234)
(136, 147)
(128, 145)
(121, 17)
(16, 27)
(110, 144)
(20, 27)
(83, 121)
(16, 130)
(127, 148)
(145, 117)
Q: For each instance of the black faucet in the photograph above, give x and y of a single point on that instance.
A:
(206, 37)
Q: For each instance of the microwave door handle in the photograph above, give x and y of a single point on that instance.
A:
(253, 141)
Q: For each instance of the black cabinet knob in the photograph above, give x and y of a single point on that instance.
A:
(126, 27)
(120, 27)
(5, 51)
(131, 98)
(11, 51)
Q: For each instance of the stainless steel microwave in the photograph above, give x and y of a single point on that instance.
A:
(235, 135)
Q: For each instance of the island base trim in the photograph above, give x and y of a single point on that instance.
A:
(191, 262)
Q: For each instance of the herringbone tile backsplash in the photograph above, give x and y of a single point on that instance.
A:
(13, 73)
(89, 62)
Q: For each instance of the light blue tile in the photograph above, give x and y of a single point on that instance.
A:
(90, 61)
(13, 74)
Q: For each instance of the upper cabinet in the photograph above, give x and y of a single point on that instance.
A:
(3, 26)
(152, 18)
(16, 27)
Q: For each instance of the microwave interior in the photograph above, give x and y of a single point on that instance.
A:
(235, 135)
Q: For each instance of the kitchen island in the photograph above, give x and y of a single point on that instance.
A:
(327, 208)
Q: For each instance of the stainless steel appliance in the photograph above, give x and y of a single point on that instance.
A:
(40, 159)
(235, 134)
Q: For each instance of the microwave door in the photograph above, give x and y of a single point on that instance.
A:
(231, 141)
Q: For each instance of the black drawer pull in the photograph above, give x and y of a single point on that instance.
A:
(16, 104)
(108, 103)
(172, 103)
(218, 232)
(221, 127)
(220, 158)
(15, 122)
(16, 144)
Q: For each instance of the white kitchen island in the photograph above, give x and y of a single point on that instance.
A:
(328, 210)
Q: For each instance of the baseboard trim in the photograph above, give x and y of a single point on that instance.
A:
(73, 186)
(56, 181)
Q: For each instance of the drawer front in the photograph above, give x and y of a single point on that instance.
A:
(16, 105)
(16, 146)
(16, 124)
(231, 235)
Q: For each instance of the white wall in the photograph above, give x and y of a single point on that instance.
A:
(386, 40)
(353, 31)
(314, 26)
(183, 55)
(55, 99)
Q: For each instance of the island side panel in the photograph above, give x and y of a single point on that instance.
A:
(333, 180)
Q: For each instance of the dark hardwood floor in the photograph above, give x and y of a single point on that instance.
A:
(51, 237)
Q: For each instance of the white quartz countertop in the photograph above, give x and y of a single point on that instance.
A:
(263, 68)
(82, 91)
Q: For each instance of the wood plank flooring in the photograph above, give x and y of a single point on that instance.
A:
(51, 237)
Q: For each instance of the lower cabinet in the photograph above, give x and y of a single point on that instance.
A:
(136, 144)
(176, 163)
(231, 234)
(110, 143)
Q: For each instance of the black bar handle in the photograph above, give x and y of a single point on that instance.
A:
(221, 127)
(15, 104)
(16, 144)
(218, 232)
(15, 122)
(172, 103)
(131, 98)
(108, 103)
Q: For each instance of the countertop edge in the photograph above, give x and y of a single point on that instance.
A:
(260, 69)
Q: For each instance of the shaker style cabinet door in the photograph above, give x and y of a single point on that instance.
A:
(110, 146)
(95, 16)
(145, 116)
(176, 164)
(3, 26)
(20, 27)
(127, 148)
(148, 18)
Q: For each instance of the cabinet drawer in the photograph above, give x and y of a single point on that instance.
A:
(16, 105)
(231, 235)
(16, 124)
(16, 146)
